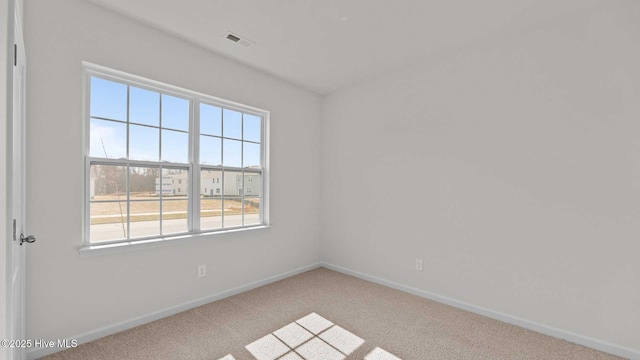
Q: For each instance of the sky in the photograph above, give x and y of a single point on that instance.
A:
(108, 138)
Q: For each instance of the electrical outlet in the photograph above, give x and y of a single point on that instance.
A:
(202, 271)
(418, 264)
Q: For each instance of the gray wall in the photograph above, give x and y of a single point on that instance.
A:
(68, 295)
(512, 169)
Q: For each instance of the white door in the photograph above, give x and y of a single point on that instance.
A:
(16, 296)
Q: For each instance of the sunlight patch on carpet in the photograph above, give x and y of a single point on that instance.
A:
(317, 349)
(380, 354)
(267, 348)
(291, 356)
(293, 335)
(341, 339)
(311, 338)
(314, 323)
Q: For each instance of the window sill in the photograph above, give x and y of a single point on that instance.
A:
(128, 246)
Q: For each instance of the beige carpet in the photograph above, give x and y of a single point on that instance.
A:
(404, 325)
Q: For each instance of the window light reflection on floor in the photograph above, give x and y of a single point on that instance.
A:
(310, 338)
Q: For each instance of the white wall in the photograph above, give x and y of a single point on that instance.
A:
(68, 295)
(511, 167)
(4, 37)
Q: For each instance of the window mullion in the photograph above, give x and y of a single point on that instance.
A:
(244, 186)
(128, 168)
(87, 163)
(223, 168)
(263, 170)
(194, 161)
(160, 171)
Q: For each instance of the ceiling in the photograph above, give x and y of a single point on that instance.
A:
(326, 45)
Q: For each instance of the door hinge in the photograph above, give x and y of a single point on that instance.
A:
(14, 230)
(15, 55)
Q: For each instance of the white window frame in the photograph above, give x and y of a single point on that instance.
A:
(194, 167)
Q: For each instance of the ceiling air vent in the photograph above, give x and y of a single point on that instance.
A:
(239, 39)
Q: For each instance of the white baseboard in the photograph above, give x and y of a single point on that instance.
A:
(125, 325)
(509, 319)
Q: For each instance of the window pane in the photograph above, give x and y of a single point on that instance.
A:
(232, 183)
(175, 146)
(108, 182)
(144, 106)
(252, 184)
(175, 183)
(232, 212)
(143, 143)
(251, 127)
(108, 221)
(233, 189)
(210, 183)
(210, 199)
(174, 216)
(232, 151)
(232, 121)
(175, 113)
(251, 211)
(144, 215)
(144, 218)
(210, 150)
(210, 214)
(107, 139)
(166, 188)
(250, 154)
(108, 99)
(210, 120)
(142, 183)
